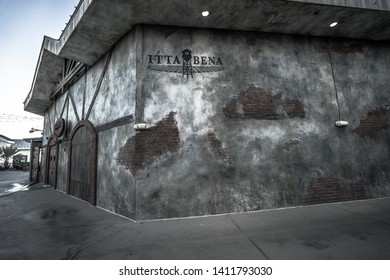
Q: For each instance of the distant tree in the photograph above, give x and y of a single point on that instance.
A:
(6, 153)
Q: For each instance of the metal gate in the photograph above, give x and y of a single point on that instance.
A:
(82, 162)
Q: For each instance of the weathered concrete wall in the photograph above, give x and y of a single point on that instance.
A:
(105, 107)
(252, 127)
(260, 134)
(116, 96)
(116, 187)
(116, 99)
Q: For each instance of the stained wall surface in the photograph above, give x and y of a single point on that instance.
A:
(261, 133)
(105, 96)
(242, 121)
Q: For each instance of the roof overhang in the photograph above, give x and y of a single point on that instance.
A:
(47, 73)
(97, 24)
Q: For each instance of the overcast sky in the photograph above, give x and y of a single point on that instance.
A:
(23, 23)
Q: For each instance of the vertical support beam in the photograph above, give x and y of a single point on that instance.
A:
(74, 106)
(32, 160)
(63, 106)
(99, 83)
(55, 109)
(49, 120)
(139, 98)
(84, 93)
(67, 117)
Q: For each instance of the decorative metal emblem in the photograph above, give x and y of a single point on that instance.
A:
(59, 127)
(189, 66)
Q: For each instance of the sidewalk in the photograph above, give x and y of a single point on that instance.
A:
(47, 224)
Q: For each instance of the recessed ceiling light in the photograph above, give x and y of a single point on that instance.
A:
(333, 24)
(205, 13)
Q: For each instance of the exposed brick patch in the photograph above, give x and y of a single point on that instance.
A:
(358, 192)
(321, 190)
(325, 190)
(293, 108)
(143, 148)
(256, 103)
(215, 146)
(291, 144)
(374, 121)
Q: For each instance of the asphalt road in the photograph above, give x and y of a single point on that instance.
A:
(12, 181)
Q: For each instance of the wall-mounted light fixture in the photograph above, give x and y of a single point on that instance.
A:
(341, 123)
(34, 130)
(141, 126)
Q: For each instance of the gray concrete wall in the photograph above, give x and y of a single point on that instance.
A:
(116, 99)
(261, 133)
(113, 100)
(254, 131)
(116, 187)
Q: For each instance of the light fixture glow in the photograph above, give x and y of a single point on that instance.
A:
(333, 24)
(141, 126)
(205, 13)
(341, 123)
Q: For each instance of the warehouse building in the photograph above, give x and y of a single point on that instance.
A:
(160, 109)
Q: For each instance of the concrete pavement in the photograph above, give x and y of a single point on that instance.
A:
(46, 224)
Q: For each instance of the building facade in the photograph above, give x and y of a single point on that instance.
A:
(163, 113)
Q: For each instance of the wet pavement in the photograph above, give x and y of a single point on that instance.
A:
(13, 181)
(42, 223)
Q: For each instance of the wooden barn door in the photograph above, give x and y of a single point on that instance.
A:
(52, 159)
(52, 165)
(82, 162)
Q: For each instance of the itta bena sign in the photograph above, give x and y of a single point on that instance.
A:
(186, 64)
